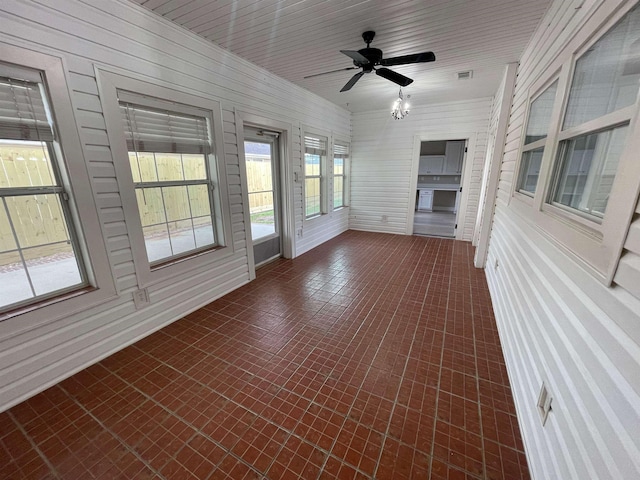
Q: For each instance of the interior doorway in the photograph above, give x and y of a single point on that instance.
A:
(262, 160)
(438, 188)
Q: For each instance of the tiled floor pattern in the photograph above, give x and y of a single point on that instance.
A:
(372, 356)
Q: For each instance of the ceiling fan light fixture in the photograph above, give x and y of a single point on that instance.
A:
(400, 108)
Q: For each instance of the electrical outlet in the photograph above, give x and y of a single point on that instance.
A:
(300, 232)
(141, 298)
(385, 218)
(496, 265)
(544, 403)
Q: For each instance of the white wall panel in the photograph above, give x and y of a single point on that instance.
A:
(557, 323)
(383, 185)
(125, 38)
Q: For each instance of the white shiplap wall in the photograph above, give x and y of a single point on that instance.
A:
(557, 323)
(125, 38)
(383, 168)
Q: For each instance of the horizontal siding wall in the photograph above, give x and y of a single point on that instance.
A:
(383, 186)
(557, 323)
(123, 37)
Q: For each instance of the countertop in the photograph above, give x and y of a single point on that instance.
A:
(438, 186)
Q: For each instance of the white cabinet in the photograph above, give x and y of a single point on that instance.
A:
(454, 154)
(425, 199)
(431, 164)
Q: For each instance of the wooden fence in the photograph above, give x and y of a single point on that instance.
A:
(38, 219)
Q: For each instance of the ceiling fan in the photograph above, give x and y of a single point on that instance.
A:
(368, 58)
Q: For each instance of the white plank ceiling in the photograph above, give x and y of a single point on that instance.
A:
(296, 38)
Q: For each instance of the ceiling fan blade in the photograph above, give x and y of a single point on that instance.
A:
(332, 71)
(405, 59)
(356, 56)
(352, 82)
(395, 77)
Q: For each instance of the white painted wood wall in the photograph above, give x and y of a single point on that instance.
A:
(557, 323)
(383, 185)
(121, 36)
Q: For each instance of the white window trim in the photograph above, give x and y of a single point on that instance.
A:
(324, 183)
(595, 246)
(77, 183)
(537, 89)
(346, 172)
(109, 83)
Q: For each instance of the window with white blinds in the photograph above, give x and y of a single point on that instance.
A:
(340, 159)
(39, 253)
(169, 155)
(315, 154)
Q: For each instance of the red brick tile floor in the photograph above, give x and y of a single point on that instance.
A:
(373, 356)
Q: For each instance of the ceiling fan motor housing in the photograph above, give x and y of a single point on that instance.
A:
(374, 55)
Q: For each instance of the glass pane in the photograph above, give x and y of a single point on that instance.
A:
(199, 200)
(587, 168)
(182, 236)
(150, 206)
(37, 219)
(25, 164)
(606, 77)
(7, 240)
(338, 166)
(169, 166)
(143, 167)
(540, 114)
(530, 170)
(156, 240)
(176, 203)
(312, 164)
(262, 214)
(338, 185)
(312, 197)
(52, 267)
(203, 228)
(194, 166)
(14, 281)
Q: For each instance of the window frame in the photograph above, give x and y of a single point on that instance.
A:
(134, 99)
(109, 84)
(81, 207)
(595, 246)
(345, 172)
(535, 92)
(314, 132)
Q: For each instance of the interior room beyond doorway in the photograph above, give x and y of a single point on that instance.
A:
(438, 187)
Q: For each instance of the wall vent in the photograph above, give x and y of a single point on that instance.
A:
(465, 75)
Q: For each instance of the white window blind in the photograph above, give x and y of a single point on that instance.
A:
(340, 151)
(315, 145)
(155, 130)
(23, 115)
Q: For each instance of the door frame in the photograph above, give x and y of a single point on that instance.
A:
(287, 225)
(465, 179)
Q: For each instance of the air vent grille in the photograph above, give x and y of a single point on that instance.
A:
(465, 75)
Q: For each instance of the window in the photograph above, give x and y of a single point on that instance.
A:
(340, 158)
(535, 139)
(582, 137)
(315, 152)
(603, 92)
(39, 250)
(169, 148)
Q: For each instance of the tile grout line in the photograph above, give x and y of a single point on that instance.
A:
(44, 458)
(395, 402)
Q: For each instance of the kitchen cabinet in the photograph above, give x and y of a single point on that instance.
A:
(454, 154)
(425, 199)
(431, 164)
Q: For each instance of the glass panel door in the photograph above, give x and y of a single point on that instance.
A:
(261, 159)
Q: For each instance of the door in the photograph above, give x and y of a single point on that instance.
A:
(261, 151)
